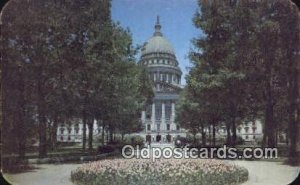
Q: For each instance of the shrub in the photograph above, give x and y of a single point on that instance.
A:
(134, 141)
(239, 140)
(163, 171)
(181, 142)
(15, 164)
(105, 149)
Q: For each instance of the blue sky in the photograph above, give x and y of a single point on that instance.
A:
(175, 17)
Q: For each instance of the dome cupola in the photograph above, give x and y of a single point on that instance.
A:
(157, 43)
(159, 58)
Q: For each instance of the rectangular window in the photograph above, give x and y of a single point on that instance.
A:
(148, 127)
(168, 126)
(246, 129)
(168, 110)
(177, 127)
(253, 129)
(158, 127)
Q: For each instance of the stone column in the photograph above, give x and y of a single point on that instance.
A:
(143, 117)
(163, 117)
(153, 116)
(173, 112)
(173, 116)
(167, 77)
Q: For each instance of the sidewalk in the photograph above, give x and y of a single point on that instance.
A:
(268, 173)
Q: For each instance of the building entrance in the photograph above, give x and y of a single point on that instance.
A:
(168, 138)
(158, 138)
(148, 138)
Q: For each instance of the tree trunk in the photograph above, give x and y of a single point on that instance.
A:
(269, 122)
(122, 136)
(21, 127)
(209, 134)
(228, 136)
(42, 124)
(293, 93)
(84, 120)
(114, 135)
(214, 134)
(103, 135)
(107, 135)
(91, 128)
(203, 136)
(264, 140)
(233, 126)
(270, 126)
(54, 134)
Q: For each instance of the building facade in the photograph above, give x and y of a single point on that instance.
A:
(248, 131)
(73, 132)
(159, 58)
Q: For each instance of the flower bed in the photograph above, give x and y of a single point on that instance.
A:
(164, 171)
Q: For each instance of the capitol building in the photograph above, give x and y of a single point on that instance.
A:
(158, 119)
(159, 59)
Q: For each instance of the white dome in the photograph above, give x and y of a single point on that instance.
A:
(156, 44)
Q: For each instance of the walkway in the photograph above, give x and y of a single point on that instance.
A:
(269, 173)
